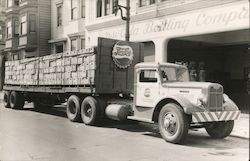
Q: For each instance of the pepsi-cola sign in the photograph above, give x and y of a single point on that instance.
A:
(122, 54)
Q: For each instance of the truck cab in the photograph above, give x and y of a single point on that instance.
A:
(164, 94)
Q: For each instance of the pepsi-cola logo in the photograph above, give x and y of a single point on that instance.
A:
(147, 92)
(122, 54)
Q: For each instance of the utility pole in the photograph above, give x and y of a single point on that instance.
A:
(127, 18)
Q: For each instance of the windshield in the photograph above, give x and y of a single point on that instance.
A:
(170, 74)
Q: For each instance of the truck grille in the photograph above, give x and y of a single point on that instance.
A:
(215, 98)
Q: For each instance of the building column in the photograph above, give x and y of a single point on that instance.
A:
(161, 46)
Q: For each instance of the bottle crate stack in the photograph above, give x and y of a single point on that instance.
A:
(67, 69)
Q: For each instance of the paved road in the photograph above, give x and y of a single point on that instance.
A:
(48, 136)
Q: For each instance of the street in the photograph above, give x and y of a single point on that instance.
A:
(49, 136)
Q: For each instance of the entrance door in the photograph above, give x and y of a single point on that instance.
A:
(147, 89)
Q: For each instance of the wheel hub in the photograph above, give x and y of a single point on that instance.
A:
(72, 107)
(88, 111)
(169, 123)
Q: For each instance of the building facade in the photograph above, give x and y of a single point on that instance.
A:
(212, 37)
(2, 25)
(27, 28)
(67, 25)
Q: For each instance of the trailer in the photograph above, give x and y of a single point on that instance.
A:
(112, 81)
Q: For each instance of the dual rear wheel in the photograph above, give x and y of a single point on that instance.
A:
(14, 100)
(90, 110)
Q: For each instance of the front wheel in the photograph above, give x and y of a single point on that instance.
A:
(173, 123)
(220, 129)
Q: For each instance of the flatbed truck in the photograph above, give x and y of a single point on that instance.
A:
(111, 80)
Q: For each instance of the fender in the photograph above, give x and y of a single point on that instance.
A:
(229, 104)
(187, 106)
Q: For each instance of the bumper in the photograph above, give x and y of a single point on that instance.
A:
(215, 116)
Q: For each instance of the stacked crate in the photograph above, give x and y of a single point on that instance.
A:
(22, 72)
(70, 68)
(28, 69)
(48, 69)
(10, 71)
(79, 67)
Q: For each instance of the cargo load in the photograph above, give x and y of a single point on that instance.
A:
(93, 68)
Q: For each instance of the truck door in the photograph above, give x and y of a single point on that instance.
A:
(147, 87)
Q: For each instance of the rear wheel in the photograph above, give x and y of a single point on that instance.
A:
(6, 99)
(73, 108)
(92, 110)
(16, 100)
(173, 123)
(220, 129)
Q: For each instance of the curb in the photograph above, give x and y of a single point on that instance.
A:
(240, 137)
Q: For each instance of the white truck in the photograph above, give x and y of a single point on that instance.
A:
(112, 81)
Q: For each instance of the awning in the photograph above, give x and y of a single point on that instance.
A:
(78, 34)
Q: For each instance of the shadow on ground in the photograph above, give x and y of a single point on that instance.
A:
(195, 138)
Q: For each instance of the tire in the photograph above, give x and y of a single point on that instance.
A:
(220, 129)
(173, 123)
(16, 100)
(92, 110)
(6, 99)
(74, 108)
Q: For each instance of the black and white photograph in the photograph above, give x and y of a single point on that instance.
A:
(124, 80)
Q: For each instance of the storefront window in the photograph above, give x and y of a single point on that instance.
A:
(99, 8)
(113, 5)
(107, 7)
(32, 23)
(23, 25)
(9, 29)
(59, 48)
(9, 3)
(83, 8)
(82, 43)
(73, 9)
(104, 7)
(1, 35)
(73, 44)
(143, 3)
(16, 28)
(59, 15)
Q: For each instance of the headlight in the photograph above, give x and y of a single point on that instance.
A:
(201, 101)
(225, 98)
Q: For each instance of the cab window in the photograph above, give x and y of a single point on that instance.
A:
(148, 76)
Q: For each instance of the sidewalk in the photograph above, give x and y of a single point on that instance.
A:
(241, 126)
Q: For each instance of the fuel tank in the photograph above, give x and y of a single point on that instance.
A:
(117, 112)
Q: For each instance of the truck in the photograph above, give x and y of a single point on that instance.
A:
(112, 81)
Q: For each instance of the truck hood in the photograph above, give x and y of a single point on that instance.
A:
(189, 84)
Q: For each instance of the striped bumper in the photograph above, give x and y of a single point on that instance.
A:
(215, 116)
